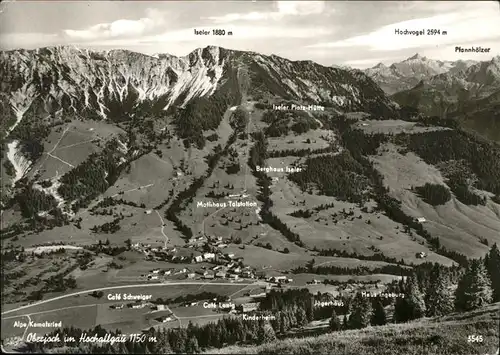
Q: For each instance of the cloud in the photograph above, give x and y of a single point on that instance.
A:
(119, 28)
(28, 39)
(462, 27)
(283, 9)
(300, 7)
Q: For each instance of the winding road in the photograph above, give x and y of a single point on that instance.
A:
(157, 284)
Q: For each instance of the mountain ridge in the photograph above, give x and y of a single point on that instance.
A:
(407, 73)
(90, 76)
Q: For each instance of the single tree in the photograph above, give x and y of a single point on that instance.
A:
(345, 323)
(379, 316)
(335, 323)
(439, 298)
(474, 288)
(192, 345)
(361, 312)
(492, 262)
(412, 305)
(266, 333)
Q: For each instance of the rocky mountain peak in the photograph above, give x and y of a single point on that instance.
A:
(417, 56)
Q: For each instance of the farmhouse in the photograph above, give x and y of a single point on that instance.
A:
(198, 259)
(421, 255)
(138, 305)
(421, 220)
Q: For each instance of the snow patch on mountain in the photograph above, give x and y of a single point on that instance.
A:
(20, 102)
(20, 163)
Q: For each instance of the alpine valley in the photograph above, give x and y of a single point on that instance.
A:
(225, 199)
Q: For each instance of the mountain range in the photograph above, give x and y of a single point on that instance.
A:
(90, 82)
(465, 90)
(123, 168)
(406, 74)
(44, 87)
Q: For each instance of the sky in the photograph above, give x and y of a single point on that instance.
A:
(354, 33)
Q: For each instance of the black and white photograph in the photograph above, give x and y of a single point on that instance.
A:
(250, 177)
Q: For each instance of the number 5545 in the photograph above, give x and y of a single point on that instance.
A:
(475, 339)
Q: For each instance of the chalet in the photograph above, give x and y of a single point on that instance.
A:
(237, 270)
(138, 305)
(248, 274)
(191, 275)
(234, 277)
(155, 271)
(164, 319)
(198, 259)
(208, 275)
(215, 268)
(153, 277)
(248, 307)
(421, 220)
(230, 256)
(209, 256)
(222, 245)
(161, 307)
(279, 279)
(221, 274)
(167, 272)
(148, 211)
(258, 293)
